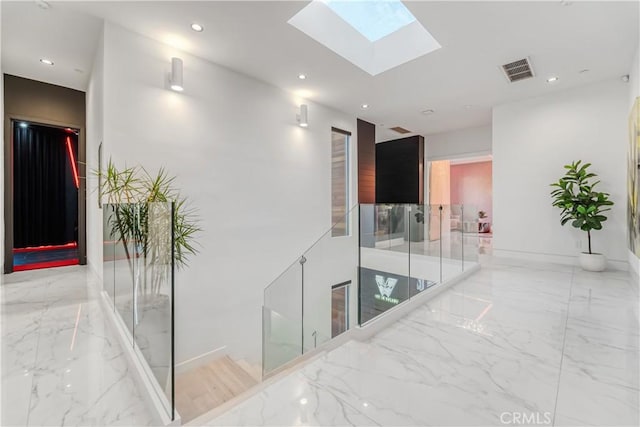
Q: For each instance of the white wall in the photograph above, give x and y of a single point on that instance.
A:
(532, 140)
(95, 118)
(634, 92)
(260, 182)
(470, 142)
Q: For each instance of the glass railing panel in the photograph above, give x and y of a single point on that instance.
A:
(330, 264)
(452, 225)
(384, 260)
(282, 319)
(108, 253)
(424, 257)
(153, 286)
(476, 227)
(125, 256)
(138, 277)
(433, 244)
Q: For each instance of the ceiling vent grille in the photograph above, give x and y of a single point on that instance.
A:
(518, 70)
(400, 130)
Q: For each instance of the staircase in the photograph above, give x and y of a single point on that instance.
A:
(206, 387)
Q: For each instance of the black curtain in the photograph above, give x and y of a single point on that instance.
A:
(45, 196)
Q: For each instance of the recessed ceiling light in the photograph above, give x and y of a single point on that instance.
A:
(625, 78)
(553, 79)
(197, 27)
(46, 61)
(364, 106)
(303, 401)
(429, 111)
(302, 76)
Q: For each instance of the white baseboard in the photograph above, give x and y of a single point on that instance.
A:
(149, 390)
(554, 258)
(203, 359)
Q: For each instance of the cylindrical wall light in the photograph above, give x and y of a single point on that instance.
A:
(303, 116)
(175, 78)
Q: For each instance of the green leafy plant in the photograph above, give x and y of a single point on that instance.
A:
(579, 202)
(141, 220)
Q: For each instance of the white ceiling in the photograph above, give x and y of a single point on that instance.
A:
(30, 33)
(255, 39)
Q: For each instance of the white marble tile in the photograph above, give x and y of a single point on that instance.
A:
(294, 401)
(412, 375)
(610, 312)
(59, 358)
(584, 400)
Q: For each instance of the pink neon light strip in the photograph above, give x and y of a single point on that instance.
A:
(72, 159)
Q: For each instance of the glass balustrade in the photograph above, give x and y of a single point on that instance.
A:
(299, 305)
(384, 258)
(394, 253)
(138, 279)
(374, 259)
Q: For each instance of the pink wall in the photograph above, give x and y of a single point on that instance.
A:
(471, 185)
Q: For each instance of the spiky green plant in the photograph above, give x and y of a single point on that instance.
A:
(141, 220)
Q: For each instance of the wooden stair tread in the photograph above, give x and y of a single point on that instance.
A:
(254, 370)
(206, 387)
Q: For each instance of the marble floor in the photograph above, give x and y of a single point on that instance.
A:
(61, 365)
(515, 344)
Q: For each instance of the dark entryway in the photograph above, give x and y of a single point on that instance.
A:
(45, 196)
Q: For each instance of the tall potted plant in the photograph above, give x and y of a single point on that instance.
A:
(575, 195)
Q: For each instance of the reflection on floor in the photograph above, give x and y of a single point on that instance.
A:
(61, 365)
(200, 390)
(538, 340)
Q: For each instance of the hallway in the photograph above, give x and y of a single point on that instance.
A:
(61, 365)
(545, 341)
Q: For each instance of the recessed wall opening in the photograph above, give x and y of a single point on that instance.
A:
(45, 196)
(339, 308)
(340, 178)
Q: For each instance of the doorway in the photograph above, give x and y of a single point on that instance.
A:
(463, 182)
(46, 193)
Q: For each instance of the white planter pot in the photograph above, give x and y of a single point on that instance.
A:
(592, 262)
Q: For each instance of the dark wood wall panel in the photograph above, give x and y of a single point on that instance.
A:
(400, 171)
(366, 162)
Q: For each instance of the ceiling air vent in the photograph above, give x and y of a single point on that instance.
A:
(400, 130)
(518, 70)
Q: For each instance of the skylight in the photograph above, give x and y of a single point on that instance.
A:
(373, 19)
(375, 35)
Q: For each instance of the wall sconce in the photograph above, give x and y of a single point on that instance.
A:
(303, 116)
(175, 77)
